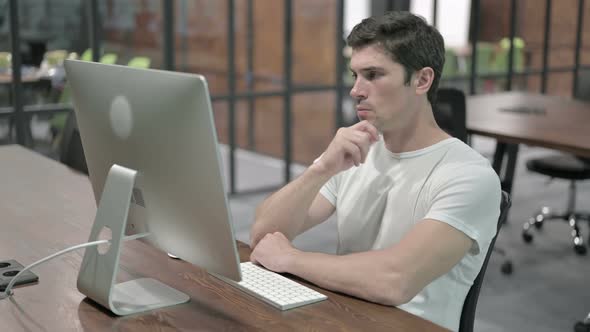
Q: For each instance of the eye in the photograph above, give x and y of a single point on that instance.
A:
(354, 75)
(371, 75)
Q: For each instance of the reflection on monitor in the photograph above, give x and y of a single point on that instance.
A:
(158, 124)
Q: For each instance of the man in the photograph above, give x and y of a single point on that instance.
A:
(416, 208)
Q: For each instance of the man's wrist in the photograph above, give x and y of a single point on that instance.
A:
(320, 170)
(292, 260)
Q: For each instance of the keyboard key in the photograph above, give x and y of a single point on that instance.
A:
(273, 288)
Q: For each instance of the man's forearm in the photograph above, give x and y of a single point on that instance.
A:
(286, 210)
(357, 274)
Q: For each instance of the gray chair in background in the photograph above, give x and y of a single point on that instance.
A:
(566, 167)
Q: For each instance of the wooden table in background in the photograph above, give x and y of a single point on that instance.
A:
(514, 118)
(46, 207)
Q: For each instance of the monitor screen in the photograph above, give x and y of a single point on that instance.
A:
(159, 123)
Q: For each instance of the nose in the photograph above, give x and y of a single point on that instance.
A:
(358, 92)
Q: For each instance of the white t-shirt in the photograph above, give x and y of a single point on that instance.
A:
(378, 202)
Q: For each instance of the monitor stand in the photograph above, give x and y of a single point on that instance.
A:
(98, 271)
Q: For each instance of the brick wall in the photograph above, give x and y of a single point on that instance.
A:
(202, 48)
(495, 24)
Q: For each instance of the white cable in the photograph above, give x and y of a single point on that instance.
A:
(8, 291)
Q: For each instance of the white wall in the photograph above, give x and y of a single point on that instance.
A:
(423, 8)
(452, 18)
(354, 12)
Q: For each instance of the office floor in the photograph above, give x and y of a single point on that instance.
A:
(548, 290)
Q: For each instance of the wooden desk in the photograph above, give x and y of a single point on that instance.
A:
(46, 207)
(540, 120)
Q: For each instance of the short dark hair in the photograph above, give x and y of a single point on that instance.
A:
(408, 39)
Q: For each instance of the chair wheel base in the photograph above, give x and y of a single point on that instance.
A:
(527, 237)
(580, 249)
(581, 327)
(506, 268)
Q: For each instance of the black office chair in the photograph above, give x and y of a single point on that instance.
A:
(470, 304)
(450, 112)
(566, 167)
(451, 116)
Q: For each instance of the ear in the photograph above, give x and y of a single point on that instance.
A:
(423, 80)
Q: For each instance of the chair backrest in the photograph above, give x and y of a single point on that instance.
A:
(470, 304)
(450, 112)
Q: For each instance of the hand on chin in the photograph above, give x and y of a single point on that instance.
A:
(369, 117)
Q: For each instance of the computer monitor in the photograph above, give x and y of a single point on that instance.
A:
(160, 124)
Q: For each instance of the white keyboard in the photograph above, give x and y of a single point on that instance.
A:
(274, 289)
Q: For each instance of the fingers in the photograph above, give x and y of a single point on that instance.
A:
(354, 145)
(349, 147)
(271, 246)
(367, 127)
(363, 140)
(362, 143)
(353, 150)
(256, 250)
